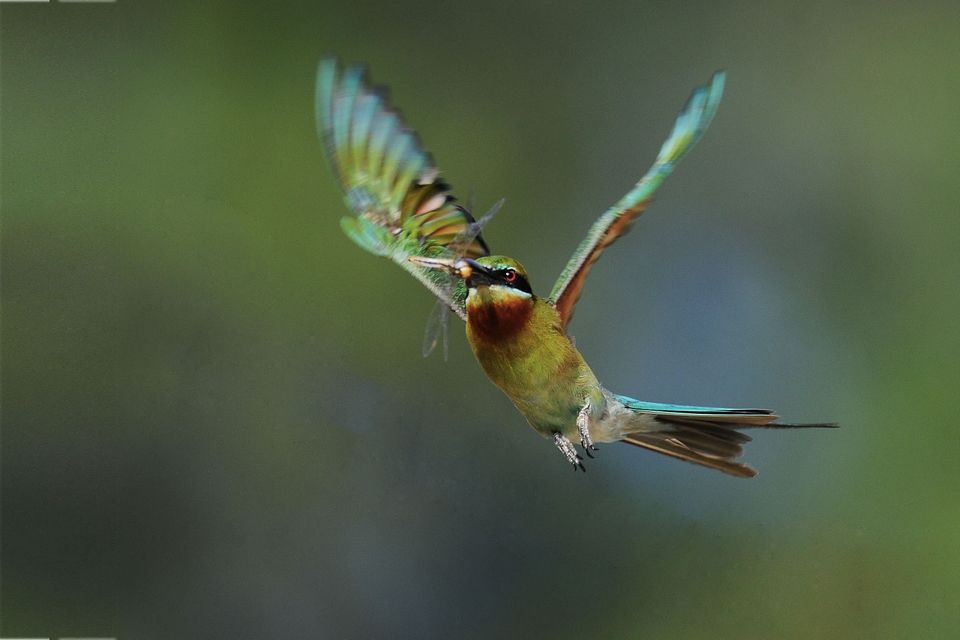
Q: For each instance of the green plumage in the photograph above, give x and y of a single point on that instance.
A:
(615, 221)
(521, 347)
(403, 212)
(519, 342)
(401, 207)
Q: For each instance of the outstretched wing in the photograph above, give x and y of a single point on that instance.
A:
(401, 207)
(690, 125)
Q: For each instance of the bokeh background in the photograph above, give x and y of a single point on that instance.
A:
(216, 418)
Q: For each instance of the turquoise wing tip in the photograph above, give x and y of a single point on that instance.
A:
(715, 89)
(693, 120)
(367, 235)
(323, 95)
(327, 72)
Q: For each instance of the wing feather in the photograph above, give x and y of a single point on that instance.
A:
(400, 205)
(616, 221)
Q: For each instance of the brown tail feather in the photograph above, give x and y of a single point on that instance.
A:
(670, 444)
(713, 444)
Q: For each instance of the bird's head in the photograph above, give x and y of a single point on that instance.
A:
(499, 299)
(505, 277)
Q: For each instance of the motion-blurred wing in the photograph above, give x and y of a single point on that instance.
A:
(390, 182)
(690, 125)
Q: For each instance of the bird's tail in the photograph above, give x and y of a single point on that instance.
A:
(707, 436)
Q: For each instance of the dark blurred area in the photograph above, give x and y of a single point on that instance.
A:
(216, 421)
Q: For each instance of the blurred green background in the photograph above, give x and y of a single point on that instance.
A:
(216, 419)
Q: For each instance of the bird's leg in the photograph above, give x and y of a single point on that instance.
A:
(583, 427)
(566, 448)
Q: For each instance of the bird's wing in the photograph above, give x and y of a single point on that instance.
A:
(401, 207)
(690, 125)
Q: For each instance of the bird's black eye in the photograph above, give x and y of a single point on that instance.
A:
(510, 276)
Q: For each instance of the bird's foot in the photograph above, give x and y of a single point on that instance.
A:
(566, 448)
(583, 428)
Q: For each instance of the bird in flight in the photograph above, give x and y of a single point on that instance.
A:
(404, 211)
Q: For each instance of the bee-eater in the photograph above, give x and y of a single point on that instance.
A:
(405, 212)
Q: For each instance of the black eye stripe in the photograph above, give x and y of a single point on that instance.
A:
(512, 278)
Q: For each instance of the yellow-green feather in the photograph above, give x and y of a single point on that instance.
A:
(537, 367)
(401, 208)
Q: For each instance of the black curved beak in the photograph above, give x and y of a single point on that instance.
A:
(474, 273)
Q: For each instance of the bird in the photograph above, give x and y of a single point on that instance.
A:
(402, 210)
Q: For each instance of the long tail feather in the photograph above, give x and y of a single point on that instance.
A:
(674, 446)
(708, 436)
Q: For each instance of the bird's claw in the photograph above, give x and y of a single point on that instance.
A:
(583, 428)
(566, 448)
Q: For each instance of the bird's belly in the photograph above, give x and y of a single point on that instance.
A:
(548, 391)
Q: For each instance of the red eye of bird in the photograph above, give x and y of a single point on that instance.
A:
(510, 276)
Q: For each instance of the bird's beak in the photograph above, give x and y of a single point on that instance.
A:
(443, 264)
(462, 268)
(473, 273)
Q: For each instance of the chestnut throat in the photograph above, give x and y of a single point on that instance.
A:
(496, 322)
